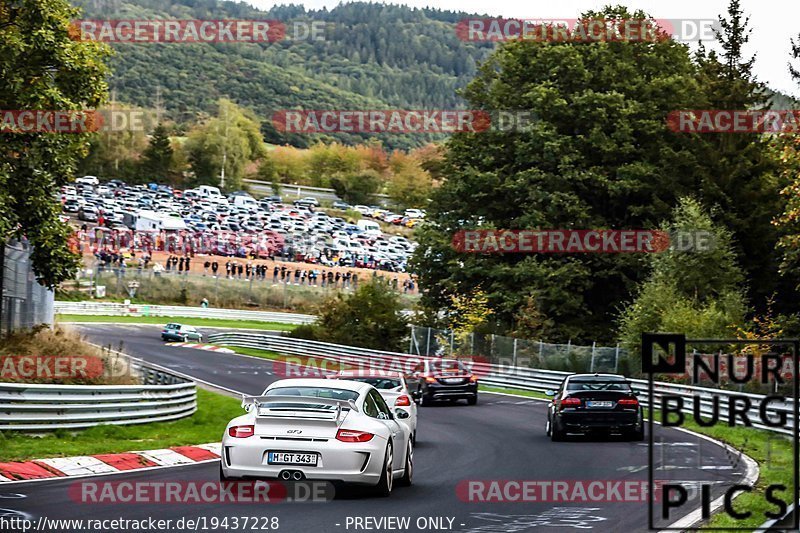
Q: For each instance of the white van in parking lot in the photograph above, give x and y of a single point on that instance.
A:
(373, 229)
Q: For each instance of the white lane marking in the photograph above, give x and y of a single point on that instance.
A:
(76, 466)
(166, 457)
(4, 479)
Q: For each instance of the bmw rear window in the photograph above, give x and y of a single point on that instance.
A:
(598, 384)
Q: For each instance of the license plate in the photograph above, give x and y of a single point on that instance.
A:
(599, 404)
(290, 458)
(453, 380)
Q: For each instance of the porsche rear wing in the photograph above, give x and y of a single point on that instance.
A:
(305, 407)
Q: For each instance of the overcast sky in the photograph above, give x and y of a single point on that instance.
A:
(773, 22)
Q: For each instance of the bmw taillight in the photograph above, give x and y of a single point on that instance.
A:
(402, 401)
(430, 379)
(628, 402)
(242, 432)
(473, 378)
(570, 402)
(347, 435)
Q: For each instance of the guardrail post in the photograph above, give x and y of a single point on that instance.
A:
(616, 358)
(591, 365)
(514, 355)
(451, 342)
(428, 346)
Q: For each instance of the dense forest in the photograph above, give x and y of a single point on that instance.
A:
(371, 56)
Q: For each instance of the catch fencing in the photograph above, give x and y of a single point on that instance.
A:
(498, 349)
(499, 375)
(142, 310)
(24, 302)
(162, 396)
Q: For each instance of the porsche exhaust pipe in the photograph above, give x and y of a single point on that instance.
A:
(286, 475)
(297, 475)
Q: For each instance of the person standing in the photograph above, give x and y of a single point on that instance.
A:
(355, 280)
(228, 269)
(241, 270)
(206, 266)
(214, 268)
(187, 265)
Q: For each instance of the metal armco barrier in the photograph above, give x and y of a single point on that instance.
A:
(39, 407)
(118, 309)
(513, 377)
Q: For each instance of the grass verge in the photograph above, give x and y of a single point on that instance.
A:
(515, 392)
(199, 322)
(206, 425)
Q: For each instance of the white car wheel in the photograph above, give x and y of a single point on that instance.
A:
(408, 473)
(384, 487)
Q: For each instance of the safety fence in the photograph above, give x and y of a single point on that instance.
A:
(35, 408)
(23, 302)
(122, 309)
(507, 376)
(514, 351)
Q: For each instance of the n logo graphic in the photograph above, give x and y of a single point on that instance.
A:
(674, 343)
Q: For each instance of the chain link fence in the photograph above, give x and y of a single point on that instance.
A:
(501, 350)
(24, 303)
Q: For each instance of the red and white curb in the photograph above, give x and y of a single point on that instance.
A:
(88, 465)
(209, 347)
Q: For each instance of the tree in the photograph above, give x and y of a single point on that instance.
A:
(598, 156)
(43, 68)
(231, 140)
(699, 293)
(370, 317)
(357, 188)
(740, 176)
(157, 157)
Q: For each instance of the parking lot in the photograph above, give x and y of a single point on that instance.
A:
(118, 218)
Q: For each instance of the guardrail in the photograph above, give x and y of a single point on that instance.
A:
(513, 377)
(120, 309)
(38, 407)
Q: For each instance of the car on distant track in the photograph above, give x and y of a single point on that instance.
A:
(319, 429)
(392, 386)
(587, 403)
(338, 204)
(443, 379)
(180, 333)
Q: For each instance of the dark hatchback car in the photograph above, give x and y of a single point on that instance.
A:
(587, 403)
(443, 379)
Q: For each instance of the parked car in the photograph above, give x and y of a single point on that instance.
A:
(319, 429)
(344, 206)
(308, 201)
(594, 402)
(443, 379)
(180, 333)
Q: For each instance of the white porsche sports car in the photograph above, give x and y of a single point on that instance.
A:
(319, 429)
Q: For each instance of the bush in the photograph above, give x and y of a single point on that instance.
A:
(370, 318)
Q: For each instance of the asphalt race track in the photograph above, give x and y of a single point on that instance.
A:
(502, 438)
